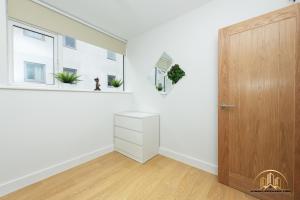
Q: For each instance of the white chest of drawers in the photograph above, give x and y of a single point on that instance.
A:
(136, 135)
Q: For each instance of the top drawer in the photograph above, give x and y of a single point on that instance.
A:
(129, 123)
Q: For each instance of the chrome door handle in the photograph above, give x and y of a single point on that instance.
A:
(224, 106)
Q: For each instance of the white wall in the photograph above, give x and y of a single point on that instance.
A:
(81, 123)
(44, 132)
(189, 112)
(3, 43)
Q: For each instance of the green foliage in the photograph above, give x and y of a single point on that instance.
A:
(67, 77)
(175, 74)
(159, 87)
(116, 83)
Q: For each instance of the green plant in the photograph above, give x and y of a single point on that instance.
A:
(116, 83)
(175, 74)
(67, 77)
(159, 87)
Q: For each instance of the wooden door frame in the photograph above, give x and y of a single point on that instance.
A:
(223, 117)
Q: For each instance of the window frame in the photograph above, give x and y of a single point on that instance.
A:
(11, 24)
(26, 31)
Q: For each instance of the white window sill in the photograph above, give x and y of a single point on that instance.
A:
(8, 87)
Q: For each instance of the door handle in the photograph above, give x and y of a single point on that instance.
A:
(224, 106)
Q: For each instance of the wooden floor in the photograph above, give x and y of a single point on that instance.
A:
(115, 177)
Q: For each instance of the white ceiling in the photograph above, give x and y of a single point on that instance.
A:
(125, 18)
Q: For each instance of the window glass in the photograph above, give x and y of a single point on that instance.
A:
(110, 78)
(111, 55)
(34, 72)
(33, 60)
(36, 56)
(91, 62)
(34, 35)
(69, 42)
(70, 70)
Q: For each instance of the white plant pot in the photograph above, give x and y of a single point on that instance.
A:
(119, 89)
(67, 86)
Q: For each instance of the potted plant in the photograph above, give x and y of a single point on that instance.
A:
(67, 79)
(159, 87)
(116, 83)
(175, 73)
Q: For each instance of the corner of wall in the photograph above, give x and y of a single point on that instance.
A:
(189, 160)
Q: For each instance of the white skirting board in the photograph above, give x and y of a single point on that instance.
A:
(37, 176)
(194, 162)
(34, 177)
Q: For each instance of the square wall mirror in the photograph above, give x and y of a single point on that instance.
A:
(164, 76)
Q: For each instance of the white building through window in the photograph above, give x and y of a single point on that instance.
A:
(32, 55)
(69, 42)
(111, 55)
(110, 78)
(34, 72)
(70, 70)
(36, 56)
(90, 62)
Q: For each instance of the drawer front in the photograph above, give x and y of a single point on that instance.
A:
(129, 148)
(129, 123)
(129, 135)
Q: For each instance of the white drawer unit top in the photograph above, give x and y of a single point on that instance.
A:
(137, 114)
(137, 135)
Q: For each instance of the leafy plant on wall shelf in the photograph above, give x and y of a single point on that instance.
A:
(159, 87)
(116, 83)
(67, 77)
(175, 74)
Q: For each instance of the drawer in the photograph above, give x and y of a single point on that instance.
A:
(129, 123)
(129, 135)
(129, 148)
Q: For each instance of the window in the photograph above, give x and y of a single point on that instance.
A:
(32, 60)
(111, 55)
(70, 70)
(34, 35)
(34, 72)
(110, 78)
(69, 42)
(91, 62)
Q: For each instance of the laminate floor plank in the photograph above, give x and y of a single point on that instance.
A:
(116, 177)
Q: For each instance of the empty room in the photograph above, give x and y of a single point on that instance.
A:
(149, 100)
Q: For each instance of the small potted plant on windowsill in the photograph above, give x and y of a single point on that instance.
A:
(117, 84)
(67, 80)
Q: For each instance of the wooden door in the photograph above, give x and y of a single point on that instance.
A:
(257, 101)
